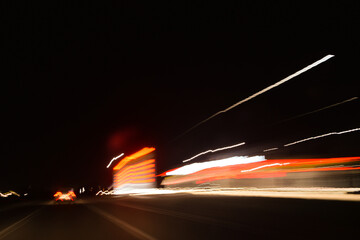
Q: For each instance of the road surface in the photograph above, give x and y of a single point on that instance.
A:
(181, 216)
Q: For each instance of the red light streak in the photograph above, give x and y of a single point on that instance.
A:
(164, 173)
(266, 169)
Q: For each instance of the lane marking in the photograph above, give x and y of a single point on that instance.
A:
(16, 225)
(127, 227)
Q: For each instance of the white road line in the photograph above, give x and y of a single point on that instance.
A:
(127, 227)
(16, 225)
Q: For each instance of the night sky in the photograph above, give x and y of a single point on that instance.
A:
(83, 81)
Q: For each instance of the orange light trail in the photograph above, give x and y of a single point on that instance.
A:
(120, 178)
(57, 194)
(144, 181)
(137, 177)
(131, 179)
(137, 171)
(136, 166)
(134, 156)
(133, 170)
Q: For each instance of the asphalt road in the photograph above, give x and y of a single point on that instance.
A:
(181, 216)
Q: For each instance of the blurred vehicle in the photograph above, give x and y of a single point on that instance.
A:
(61, 196)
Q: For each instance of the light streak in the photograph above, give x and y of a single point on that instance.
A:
(138, 179)
(106, 192)
(321, 136)
(270, 149)
(196, 167)
(136, 171)
(264, 166)
(57, 194)
(4, 195)
(145, 181)
(64, 196)
(320, 109)
(9, 193)
(327, 57)
(129, 172)
(142, 165)
(136, 174)
(133, 176)
(265, 169)
(134, 156)
(114, 160)
(215, 150)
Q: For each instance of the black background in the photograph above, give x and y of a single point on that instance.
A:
(83, 81)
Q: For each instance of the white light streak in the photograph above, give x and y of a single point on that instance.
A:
(114, 160)
(106, 192)
(215, 150)
(263, 166)
(321, 136)
(195, 167)
(327, 57)
(270, 149)
(4, 195)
